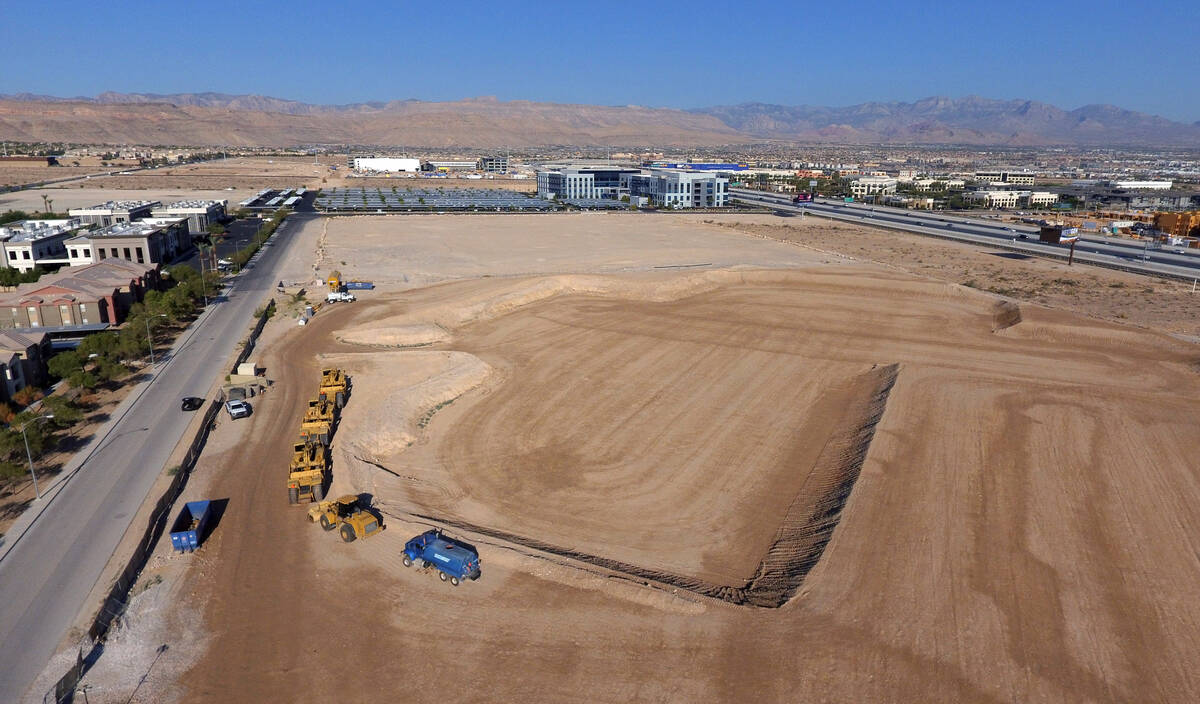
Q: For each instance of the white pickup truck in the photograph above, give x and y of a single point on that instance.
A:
(340, 297)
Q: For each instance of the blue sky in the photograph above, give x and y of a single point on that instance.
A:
(1141, 56)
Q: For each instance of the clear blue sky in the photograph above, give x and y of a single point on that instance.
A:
(1141, 56)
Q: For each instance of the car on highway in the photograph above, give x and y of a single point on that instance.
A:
(237, 409)
(191, 403)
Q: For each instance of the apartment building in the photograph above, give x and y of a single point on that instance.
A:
(23, 356)
(97, 293)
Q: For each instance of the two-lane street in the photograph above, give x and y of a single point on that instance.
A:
(46, 575)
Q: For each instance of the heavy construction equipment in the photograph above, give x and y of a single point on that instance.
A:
(317, 425)
(348, 516)
(335, 386)
(307, 472)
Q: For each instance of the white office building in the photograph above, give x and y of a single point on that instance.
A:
(872, 185)
(385, 164)
(676, 188)
(199, 213)
(1014, 178)
(994, 198)
(27, 244)
(1144, 185)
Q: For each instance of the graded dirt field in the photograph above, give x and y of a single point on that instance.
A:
(765, 478)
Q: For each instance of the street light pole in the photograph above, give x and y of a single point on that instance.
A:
(150, 339)
(29, 455)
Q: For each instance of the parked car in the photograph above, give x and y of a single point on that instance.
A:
(237, 409)
(191, 403)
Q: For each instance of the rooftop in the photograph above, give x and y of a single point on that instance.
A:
(140, 228)
(115, 205)
(188, 204)
(33, 230)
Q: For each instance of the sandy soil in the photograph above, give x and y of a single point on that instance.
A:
(1101, 293)
(998, 499)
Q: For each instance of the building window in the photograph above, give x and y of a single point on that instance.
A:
(127, 257)
(140, 259)
(25, 254)
(113, 252)
(12, 255)
(65, 313)
(101, 251)
(33, 316)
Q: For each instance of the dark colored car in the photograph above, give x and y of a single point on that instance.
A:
(191, 403)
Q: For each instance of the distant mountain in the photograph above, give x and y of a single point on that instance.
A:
(256, 120)
(970, 120)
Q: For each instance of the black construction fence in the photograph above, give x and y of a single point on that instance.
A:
(118, 597)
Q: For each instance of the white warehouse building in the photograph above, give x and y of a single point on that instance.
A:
(386, 164)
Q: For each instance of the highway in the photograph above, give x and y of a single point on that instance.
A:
(1108, 252)
(48, 572)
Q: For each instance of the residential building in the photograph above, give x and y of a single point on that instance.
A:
(199, 213)
(678, 189)
(872, 185)
(591, 182)
(23, 356)
(493, 164)
(1012, 178)
(1179, 224)
(115, 211)
(97, 293)
(385, 164)
(150, 241)
(906, 175)
(28, 244)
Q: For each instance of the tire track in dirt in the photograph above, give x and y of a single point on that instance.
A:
(807, 526)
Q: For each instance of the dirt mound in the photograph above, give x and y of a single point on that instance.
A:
(402, 336)
(1005, 314)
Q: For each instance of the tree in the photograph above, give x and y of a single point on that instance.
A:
(215, 228)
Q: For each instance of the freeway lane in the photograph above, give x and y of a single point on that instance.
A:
(1110, 253)
(48, 573)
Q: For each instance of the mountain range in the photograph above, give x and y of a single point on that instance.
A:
(216, 119)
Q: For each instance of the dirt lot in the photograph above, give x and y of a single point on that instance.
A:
(949, 497)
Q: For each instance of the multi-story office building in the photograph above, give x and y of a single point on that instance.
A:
(115, 211)
(493, 164)
(591, 182)
(385, 164)
(152, 241)
(872, 186)
(1023, 178)
(28, 244)
(678, 189)
(199, 213)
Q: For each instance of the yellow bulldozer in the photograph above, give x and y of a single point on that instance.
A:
(335, 386)
(348, 516)
(318, 422)
(307, 472)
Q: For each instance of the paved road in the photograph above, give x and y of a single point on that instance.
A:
(49, 571)
(1124, 254)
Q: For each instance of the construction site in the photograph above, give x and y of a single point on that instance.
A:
(694, 459)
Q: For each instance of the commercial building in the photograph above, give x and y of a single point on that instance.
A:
(493, 164)
(872, 185)
(23, 358)
(994, 198)
(1143, 185)
(199, 213)
(1013, 178)
(385, 164)
(677, 189)
(587, 182)
(114, 211)
(28, 244)
(74, 296)
(150, 241)
(447, 166)
(999, 198)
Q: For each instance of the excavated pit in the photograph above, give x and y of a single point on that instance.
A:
(807, 527)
